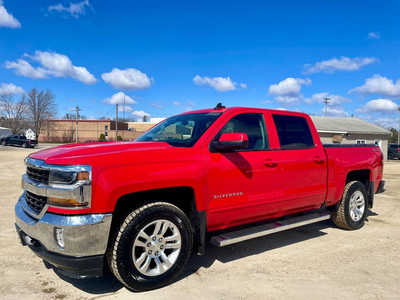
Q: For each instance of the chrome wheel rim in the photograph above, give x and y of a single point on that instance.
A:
(156, 248)
(357, 206)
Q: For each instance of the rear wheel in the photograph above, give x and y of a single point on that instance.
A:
(352, 210)
(151, 247)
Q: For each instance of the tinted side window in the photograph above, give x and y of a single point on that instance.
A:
(293, 132)
(253, 125)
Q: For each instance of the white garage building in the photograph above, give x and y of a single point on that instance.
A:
(351, 131)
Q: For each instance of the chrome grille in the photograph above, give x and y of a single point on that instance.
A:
(35, 202)
(38, 174)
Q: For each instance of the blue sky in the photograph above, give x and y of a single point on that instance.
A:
(172, 56)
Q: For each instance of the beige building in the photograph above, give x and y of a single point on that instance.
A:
(64, 131)
(351, 131)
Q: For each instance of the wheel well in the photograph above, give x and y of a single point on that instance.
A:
(360, 175)
(182, 197)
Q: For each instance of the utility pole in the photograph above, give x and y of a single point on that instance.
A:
(77, 109)
(398, 129)
(326, 101)
(116, 122)
(123, 111)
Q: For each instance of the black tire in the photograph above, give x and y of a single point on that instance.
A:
(342, 216)
(24, 145)
(4, 143)
(119, 254)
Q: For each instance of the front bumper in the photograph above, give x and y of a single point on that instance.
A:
(85, 238)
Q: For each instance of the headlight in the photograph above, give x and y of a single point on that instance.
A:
(68, 176)
(62, 177)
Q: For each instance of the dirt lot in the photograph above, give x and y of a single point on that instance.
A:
(312, 262)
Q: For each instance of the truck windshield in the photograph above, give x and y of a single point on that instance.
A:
(182, 130)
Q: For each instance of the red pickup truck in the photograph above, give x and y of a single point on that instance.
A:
(142, 208)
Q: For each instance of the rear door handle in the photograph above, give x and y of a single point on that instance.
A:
(270, 164)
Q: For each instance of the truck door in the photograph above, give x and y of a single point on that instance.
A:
(300, 162)
(239, 182)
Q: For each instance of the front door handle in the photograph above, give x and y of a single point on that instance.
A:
(319, 160)
(270, 164)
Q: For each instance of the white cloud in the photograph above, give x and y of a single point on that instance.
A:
(176, 103)
(340, 64)
(374, 35)
(288, 91)
(221, 84)
(74, 9)
(335, 111)
(333, 99)
(124, 108)
(128, 79)
(52, 64)
(140, 114)
(59, 65)
(23, 68)
(7, 19)
(288, 87)
(10, 89)
(378, 84)
(119, 98)
(380, 105)
(288, 100)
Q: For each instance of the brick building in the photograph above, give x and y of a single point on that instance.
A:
(64, 131)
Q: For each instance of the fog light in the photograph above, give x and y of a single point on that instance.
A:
(59, 236)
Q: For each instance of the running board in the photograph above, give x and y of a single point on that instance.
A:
(233, 237)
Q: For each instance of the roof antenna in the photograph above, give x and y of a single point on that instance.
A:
(219, 106)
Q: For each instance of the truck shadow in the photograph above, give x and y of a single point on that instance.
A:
(108, 284)
(255, 246)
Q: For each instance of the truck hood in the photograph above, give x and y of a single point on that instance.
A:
(85, 152)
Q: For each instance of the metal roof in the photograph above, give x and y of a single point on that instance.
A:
(347, 125)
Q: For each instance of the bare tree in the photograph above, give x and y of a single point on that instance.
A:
(41, 107)
(13, 112)
(69, 116)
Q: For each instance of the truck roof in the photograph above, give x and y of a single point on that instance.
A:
(241, 108)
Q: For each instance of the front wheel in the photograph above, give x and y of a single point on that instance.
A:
(151, 247)
(352, 210)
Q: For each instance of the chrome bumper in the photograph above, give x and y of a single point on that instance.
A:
(84, 235)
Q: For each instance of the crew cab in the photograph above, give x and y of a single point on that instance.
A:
(141, 208)
(18, 140)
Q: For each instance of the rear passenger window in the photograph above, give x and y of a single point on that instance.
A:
(293, 132)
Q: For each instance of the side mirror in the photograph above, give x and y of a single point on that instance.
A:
(231, 141)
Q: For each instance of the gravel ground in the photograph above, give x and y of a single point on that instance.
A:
(312, 262)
